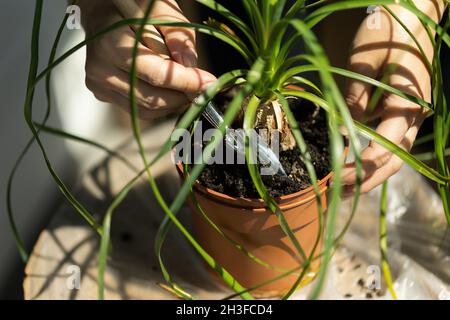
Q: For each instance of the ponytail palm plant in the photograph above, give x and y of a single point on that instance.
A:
(266, 43)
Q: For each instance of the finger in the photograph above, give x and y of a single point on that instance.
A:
(115, 98)
(148, 96)
(160, 72)
(399, 115)
(117, 46)
(115, 79)
(390, 168)
(150, 36)
(180, 41)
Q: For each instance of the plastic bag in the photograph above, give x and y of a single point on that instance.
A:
(418, 241)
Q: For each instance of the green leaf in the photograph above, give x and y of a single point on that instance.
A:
(184, 122)
(28, 105)
(9, 206)
(383, 241)
(338, 111)
(354, 75)
(306, 159)
(371, 134)
(242, 26)
(240, 47)
(256, 17)
(249, 120)
(67, 135)
(252, 78)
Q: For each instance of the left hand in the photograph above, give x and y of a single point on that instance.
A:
(168, 78)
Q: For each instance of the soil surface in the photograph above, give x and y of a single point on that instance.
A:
(234, 180)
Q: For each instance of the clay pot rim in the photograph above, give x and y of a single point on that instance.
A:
(252, 202)
(258, 202)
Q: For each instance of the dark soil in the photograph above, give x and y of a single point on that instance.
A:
(234, 180)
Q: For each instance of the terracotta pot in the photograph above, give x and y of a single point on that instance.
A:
(256, 228)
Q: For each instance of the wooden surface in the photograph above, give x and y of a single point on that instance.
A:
(133, 272)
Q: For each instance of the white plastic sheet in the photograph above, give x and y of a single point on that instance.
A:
(419, 245)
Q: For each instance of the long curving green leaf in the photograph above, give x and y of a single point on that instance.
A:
(195, 109)
(337, 108)
(278, 9)
(383, 240)
(201, 28)
(322, 12)
(440, 129)
(412, 36)
(319, 14)
(9, 206)
(193, 112)
(357, 76)
(336, 146)
(136, 130)
(67, 135)
(275, 48)
(242, 26)
(105, 239)
(252, 78)
(314, 99)
(373, 135)
(307, 160)
(28, 105)
(184, 122)
(303, 265)
(250, 155)
(254, 14)
(295, 8)
(233, 41)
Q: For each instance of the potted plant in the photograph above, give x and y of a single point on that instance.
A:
(233, 222)
(270, 241)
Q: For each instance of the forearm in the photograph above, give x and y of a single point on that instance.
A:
(433, 8)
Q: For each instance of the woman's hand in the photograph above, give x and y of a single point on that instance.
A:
(389, 54)
(165, 83)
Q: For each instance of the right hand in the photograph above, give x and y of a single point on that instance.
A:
(165, 84)
(389, 54)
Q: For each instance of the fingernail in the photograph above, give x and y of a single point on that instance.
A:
(207, 85)
(190, 58)
(208, 77)
(177, 57)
